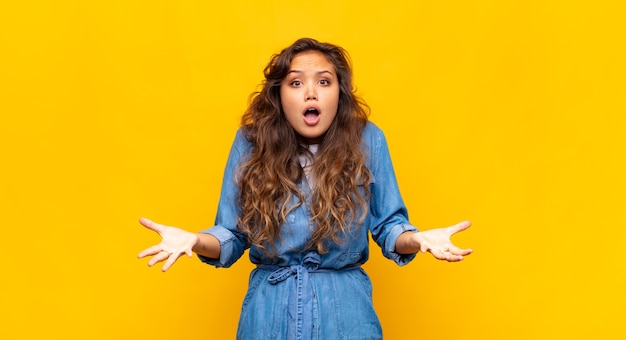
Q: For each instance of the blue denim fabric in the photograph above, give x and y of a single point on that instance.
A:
(302, 294)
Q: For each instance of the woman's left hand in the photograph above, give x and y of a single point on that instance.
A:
(437, 242)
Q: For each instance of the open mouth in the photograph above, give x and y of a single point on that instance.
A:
(311, 116)
(311, 113)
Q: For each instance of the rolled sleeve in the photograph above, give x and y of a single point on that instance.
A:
(389, 247)
(228, 247)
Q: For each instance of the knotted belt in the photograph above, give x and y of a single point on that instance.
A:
(300, 302)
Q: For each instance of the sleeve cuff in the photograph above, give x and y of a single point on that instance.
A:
(226, 238)
(389, 250)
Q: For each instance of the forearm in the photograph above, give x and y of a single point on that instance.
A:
(407, 243)
(207, 245)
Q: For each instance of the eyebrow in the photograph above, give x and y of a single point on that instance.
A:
(318, 72)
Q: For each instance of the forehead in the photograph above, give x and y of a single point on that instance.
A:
(311, 60)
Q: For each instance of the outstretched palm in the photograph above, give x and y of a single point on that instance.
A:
(437, 242)
(174, 243)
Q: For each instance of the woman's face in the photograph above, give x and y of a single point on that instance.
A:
(309, 95)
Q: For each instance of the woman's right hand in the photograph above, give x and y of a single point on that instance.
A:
(174, 243)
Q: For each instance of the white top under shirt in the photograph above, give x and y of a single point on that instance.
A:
(306, 161)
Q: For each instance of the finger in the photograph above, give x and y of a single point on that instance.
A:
(151, 225)
(440, 254)
(158, 258)
(459, 227)
(150, 251)
(170, 261)
(446, 255)
(458, 251)
(454, 258)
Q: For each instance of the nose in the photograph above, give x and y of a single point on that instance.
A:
(311, 93)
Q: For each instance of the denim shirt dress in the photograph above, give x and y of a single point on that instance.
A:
(300, 294)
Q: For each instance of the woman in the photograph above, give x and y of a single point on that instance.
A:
(307, 179)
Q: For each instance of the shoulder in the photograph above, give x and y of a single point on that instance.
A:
(372, 135)
(374, 145)
(240, 135)
(241, 138)
(241, 145)
(371, 129)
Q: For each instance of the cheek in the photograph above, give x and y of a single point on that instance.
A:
(336, 95)
(335, 100)
(286, 100)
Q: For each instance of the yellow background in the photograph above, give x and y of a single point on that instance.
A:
(506, 113)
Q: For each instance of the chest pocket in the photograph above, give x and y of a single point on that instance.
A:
(349, 258)
(361, 188)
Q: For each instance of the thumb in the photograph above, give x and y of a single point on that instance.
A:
(459, 227)
(151, 225)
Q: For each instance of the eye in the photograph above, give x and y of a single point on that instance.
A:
(295, 83)
(324, 82)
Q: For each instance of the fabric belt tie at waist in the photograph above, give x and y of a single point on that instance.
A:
(300, 304)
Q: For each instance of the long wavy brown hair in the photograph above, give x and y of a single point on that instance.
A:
(268, 180)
